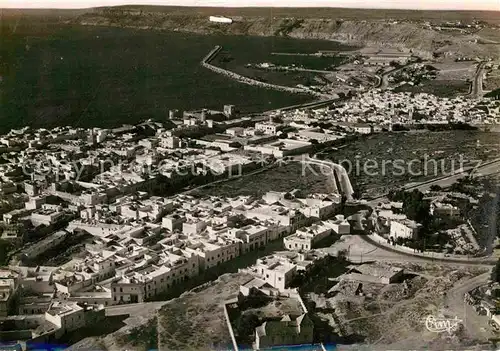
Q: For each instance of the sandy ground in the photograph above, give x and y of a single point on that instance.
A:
(394, 315)
(451, 70)
(194, 321)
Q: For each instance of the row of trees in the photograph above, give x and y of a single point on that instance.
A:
(414, 205)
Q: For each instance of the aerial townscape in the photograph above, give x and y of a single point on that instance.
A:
(176, 178)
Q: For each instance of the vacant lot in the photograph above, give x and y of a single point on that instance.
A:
(455, 70)
(284, 178)
(452, 79)
(438, 87)
(387, 314)
(195, 321)
(428, 154)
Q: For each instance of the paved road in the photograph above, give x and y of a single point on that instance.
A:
(488, 168)
(345, 185)
(362, 249)
(475, 325)
(384, 81)
(483, 261)
(477, 83)
(308, 105)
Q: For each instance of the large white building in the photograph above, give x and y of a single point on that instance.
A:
(220, 19)
(275, 272)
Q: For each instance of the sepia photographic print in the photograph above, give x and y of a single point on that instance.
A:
(249, 175)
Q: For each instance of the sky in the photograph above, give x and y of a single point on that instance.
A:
(389, 4)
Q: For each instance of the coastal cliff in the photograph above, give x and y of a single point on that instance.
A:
(417, 36)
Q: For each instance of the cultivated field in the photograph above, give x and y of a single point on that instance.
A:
(446, 148)
(286, 177)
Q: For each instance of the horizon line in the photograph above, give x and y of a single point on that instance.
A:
(258, 7)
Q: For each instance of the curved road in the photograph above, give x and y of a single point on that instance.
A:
(475, 324)
(477, 83)
(471, 262)
(384, 79)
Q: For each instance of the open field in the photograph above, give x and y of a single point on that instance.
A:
(455, 70)
(438, 87)
(281, 178)
(195, 321)
(420, 148)
(444, 79)
(492, 79)
(490, 35)
(492, 82)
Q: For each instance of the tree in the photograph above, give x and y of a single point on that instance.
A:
(246, 324)
(5, 247)
(342, 255)
(395, 64)
(435, 187)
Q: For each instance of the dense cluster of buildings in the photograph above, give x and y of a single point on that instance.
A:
(391, 222)
(377, 109)
(56, 184)
(67, 184)
(143, 246)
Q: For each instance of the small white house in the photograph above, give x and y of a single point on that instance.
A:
(220, 19)
(406, 229)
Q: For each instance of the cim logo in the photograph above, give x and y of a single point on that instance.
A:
(440, 325)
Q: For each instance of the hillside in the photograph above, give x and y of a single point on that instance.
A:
(405, 29)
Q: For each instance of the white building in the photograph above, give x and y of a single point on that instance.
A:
(267, 127)
(67, 317)
(318, 208)
(306, 238)
(213, 253)
(281, 148)
(444, 210)
(252, 236)
(276, 273)
(220, 19)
